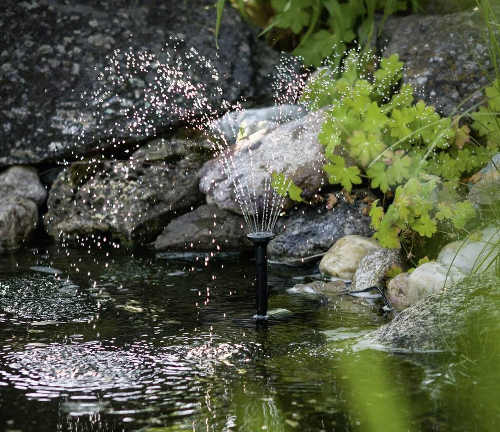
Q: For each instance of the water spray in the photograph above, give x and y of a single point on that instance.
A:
(260, 240)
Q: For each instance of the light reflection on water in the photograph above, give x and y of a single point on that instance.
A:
(172, 348)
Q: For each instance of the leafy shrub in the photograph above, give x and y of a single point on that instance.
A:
(321, 28)
(406, 150)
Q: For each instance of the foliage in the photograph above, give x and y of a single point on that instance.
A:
(283, 186)
(321, 28)
(487, 120)
(402, 148)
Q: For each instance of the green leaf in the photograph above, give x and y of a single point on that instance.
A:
(294, 15)
(399, 169)
(219, 7)
(279, 183)
(376, 214)
(425, 226)
(339, 173)
(294, 192)
(365, 147)
(378, 175)
(284, 186)
(318, 46)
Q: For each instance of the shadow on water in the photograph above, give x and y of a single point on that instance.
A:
(166, 343)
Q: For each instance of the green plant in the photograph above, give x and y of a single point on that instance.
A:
(318, 28)
(406, 150)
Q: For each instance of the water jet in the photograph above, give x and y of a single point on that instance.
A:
(260, 239)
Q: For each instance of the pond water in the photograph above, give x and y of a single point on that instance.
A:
(112, 341)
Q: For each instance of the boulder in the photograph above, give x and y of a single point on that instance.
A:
(373, 267)
(204, 229)
(426, 279)
(309, 232)
(343, 258)
(228, 126)
(79, 77)
(121, 201)
(486, 189)
(292, 149)
(446, 56)
(18, 220)
(397, 291)
(435, 322)
(479, 255)
(23, 182)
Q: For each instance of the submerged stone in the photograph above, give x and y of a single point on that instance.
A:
(39, 297)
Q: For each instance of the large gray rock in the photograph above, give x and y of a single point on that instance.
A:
(427, 279)
(478, 255)
(312, 231)
(374, 266)
(292, 149)
(18, 220)
(23, 182)
(127, 201)
(435, 322)
(55, 51)
(446, 56)
(204, 229)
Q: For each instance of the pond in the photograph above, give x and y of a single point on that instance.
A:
(112, 341)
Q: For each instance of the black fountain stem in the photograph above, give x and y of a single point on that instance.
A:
(260, 241)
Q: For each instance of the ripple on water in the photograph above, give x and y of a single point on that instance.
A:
(92, 371)
(35, 297)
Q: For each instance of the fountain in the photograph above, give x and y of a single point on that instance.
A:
(260, 239)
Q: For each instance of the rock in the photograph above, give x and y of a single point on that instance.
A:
(128, 202)
(317, 289)
(466, 256)
(59, 101)
(435, 322)
(206, 228)
(23, 182)
(292, 149)
(397, 291)
(343, 258)
(171, 150)
(18, 220)
(334, 294)
(486, 189)
(373, 267)
(311, 231)
(426, 279)
(445, 6)
(446, 56)
(251, 120)
(279, 314)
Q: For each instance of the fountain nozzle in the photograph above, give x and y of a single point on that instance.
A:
(260, 240)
